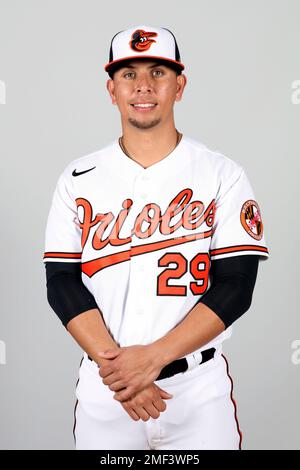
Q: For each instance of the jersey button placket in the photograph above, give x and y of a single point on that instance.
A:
(140, 287)
(141, 188)
(137, 263)
(145, 177)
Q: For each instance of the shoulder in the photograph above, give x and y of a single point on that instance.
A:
(216, 161)
(87, 161)
(220, 170)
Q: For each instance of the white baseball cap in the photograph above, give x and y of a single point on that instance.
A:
(144, 41)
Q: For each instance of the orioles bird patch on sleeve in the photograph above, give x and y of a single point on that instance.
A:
(251, 219)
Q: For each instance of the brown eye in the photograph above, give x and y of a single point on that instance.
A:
(159, 71)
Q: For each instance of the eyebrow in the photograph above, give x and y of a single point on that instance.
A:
(134, 67)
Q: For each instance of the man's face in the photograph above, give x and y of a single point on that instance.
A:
(141, 82)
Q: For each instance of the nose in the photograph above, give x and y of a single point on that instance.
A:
(143, 84)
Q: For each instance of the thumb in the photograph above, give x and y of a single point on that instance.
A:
(164, 394)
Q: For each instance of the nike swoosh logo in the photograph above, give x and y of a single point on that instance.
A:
(77, 173)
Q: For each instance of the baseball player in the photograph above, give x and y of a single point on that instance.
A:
(152, 249)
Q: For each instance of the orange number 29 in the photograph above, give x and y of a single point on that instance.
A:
(199, 269)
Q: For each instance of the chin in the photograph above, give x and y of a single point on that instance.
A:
(142, 124)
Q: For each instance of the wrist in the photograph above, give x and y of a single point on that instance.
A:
(161, 357)
(98, 355)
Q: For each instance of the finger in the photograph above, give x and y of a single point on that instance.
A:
(125, 394)
(117, 386)
(130, 411)
(105, 371)
(166, 395)
(152, 410)
(142, 413)
(110, 379)
(160, 405)
(105, 363)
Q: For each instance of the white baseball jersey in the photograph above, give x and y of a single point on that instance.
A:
(145, 237)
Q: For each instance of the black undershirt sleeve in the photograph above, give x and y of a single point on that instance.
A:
(66, 293)
(229, 296)
(232, 283)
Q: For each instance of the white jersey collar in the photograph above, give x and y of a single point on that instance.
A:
(127, 163)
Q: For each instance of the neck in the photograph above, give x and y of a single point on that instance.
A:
(149, 146)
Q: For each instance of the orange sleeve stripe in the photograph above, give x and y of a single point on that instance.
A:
(61, 254)
(237, 248)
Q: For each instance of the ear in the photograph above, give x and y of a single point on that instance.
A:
(181, 83)
(111, 90)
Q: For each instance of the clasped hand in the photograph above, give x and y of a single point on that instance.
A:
(129, 369)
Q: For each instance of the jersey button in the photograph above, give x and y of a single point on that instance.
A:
(140, 311)
(145, 178)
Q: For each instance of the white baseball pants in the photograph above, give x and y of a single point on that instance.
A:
(201, 414)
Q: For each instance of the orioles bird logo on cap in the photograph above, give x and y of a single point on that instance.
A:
(140, 40)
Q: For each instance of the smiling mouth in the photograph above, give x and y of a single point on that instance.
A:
(144, 107)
